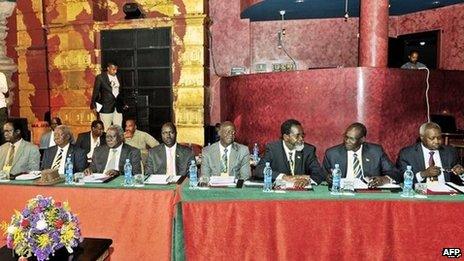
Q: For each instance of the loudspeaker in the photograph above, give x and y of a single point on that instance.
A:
(132, 11)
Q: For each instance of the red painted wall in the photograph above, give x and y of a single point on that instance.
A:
(390, 102)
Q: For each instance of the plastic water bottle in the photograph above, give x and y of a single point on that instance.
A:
(128, 173)
(336, 178)
(267, 172)
(68, 171)
(407, 185)
(256, 153)
(193, 178)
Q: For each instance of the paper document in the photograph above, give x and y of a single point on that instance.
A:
(359, 184)
(29, 176)
(96, 178)
(439, 187)
(160, 179)
(253, 183)
(218, 181)
(98, 106)
(291, 184)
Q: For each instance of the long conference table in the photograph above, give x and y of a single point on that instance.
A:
(175, 223)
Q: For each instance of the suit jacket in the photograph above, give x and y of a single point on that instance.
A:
(374, 161)
(306, 162)
(156, 163)
(239, 161)
(414, 156)
(103, 94)
(27, 157)
(100, 158)
(78, 157)
(45, 140)
(83, 141)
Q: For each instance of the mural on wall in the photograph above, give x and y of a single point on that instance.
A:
(69, 50)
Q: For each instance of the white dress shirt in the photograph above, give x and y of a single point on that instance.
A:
(64, 155)
(114, 84)
(350, 158)
(117, 156)
(436, 159)
(3, 89)
(52, 140)
(93, 144)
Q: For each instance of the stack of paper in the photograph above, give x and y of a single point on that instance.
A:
(359, 184)
(96, 178)
(249, 183)
(436, 187)
(456, 187)
(218, 181)
(291, 184)
(159, 179)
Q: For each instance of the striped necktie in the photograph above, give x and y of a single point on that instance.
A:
(291, 162)
(9, 162)
(57, 162)
(357, 170)
(224, 162)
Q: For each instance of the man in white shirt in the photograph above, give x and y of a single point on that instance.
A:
(430, 159)
(108, 94)
(88, 141)
(4, 93)
(359, 159)
(55, 156)
(170, 157)
(111, 157)
(226, 157)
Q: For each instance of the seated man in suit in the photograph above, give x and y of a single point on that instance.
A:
(226, 157)
(48, 138)
(170, 157)
(91, 139)
(292, 157)
(430, 159)
(111, 157)
(55, 157)
(359, 159)
(17, 155)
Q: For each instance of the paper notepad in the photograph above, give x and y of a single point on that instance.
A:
(456, 187)
(96, 178)
(160, 179)
(359, 184)
(291, 184)
(29, 176)
(218, 181)
(440, 187)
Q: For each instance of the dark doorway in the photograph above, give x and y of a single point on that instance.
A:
(426, 43)
(144, 60)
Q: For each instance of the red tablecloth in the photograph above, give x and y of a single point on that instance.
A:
(138, 221)
(321, 229)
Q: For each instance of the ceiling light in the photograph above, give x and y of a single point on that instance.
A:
(422, 43)
(299, 1)
(436, 2)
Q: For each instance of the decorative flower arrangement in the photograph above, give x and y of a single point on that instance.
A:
(43, 227)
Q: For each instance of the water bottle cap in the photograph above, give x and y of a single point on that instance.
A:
(268, 164)
(408, 167)
(337, 165)
(127, 160)
(192, 162)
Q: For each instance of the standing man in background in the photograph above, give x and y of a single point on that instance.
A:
(3, 108)
(107, 98)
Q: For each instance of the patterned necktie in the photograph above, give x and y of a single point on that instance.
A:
(57, 162)
(291, 162)
(224, 162)
(9, 162)
(357, 170)
(431, 161)
(171, 168)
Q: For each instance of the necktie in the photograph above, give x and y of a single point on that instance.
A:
(111, 160)
(9, 162)
(57, 162)
(431, 161)
(357, 170)
(224, 162)
(291, 162)
(171, 163)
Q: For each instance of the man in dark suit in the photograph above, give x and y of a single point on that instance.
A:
(88, 141)
(292, 156)
(169, 157)
(430, 159)
(111, 157)
(107, 92)
(55, 157)
(359, 159)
